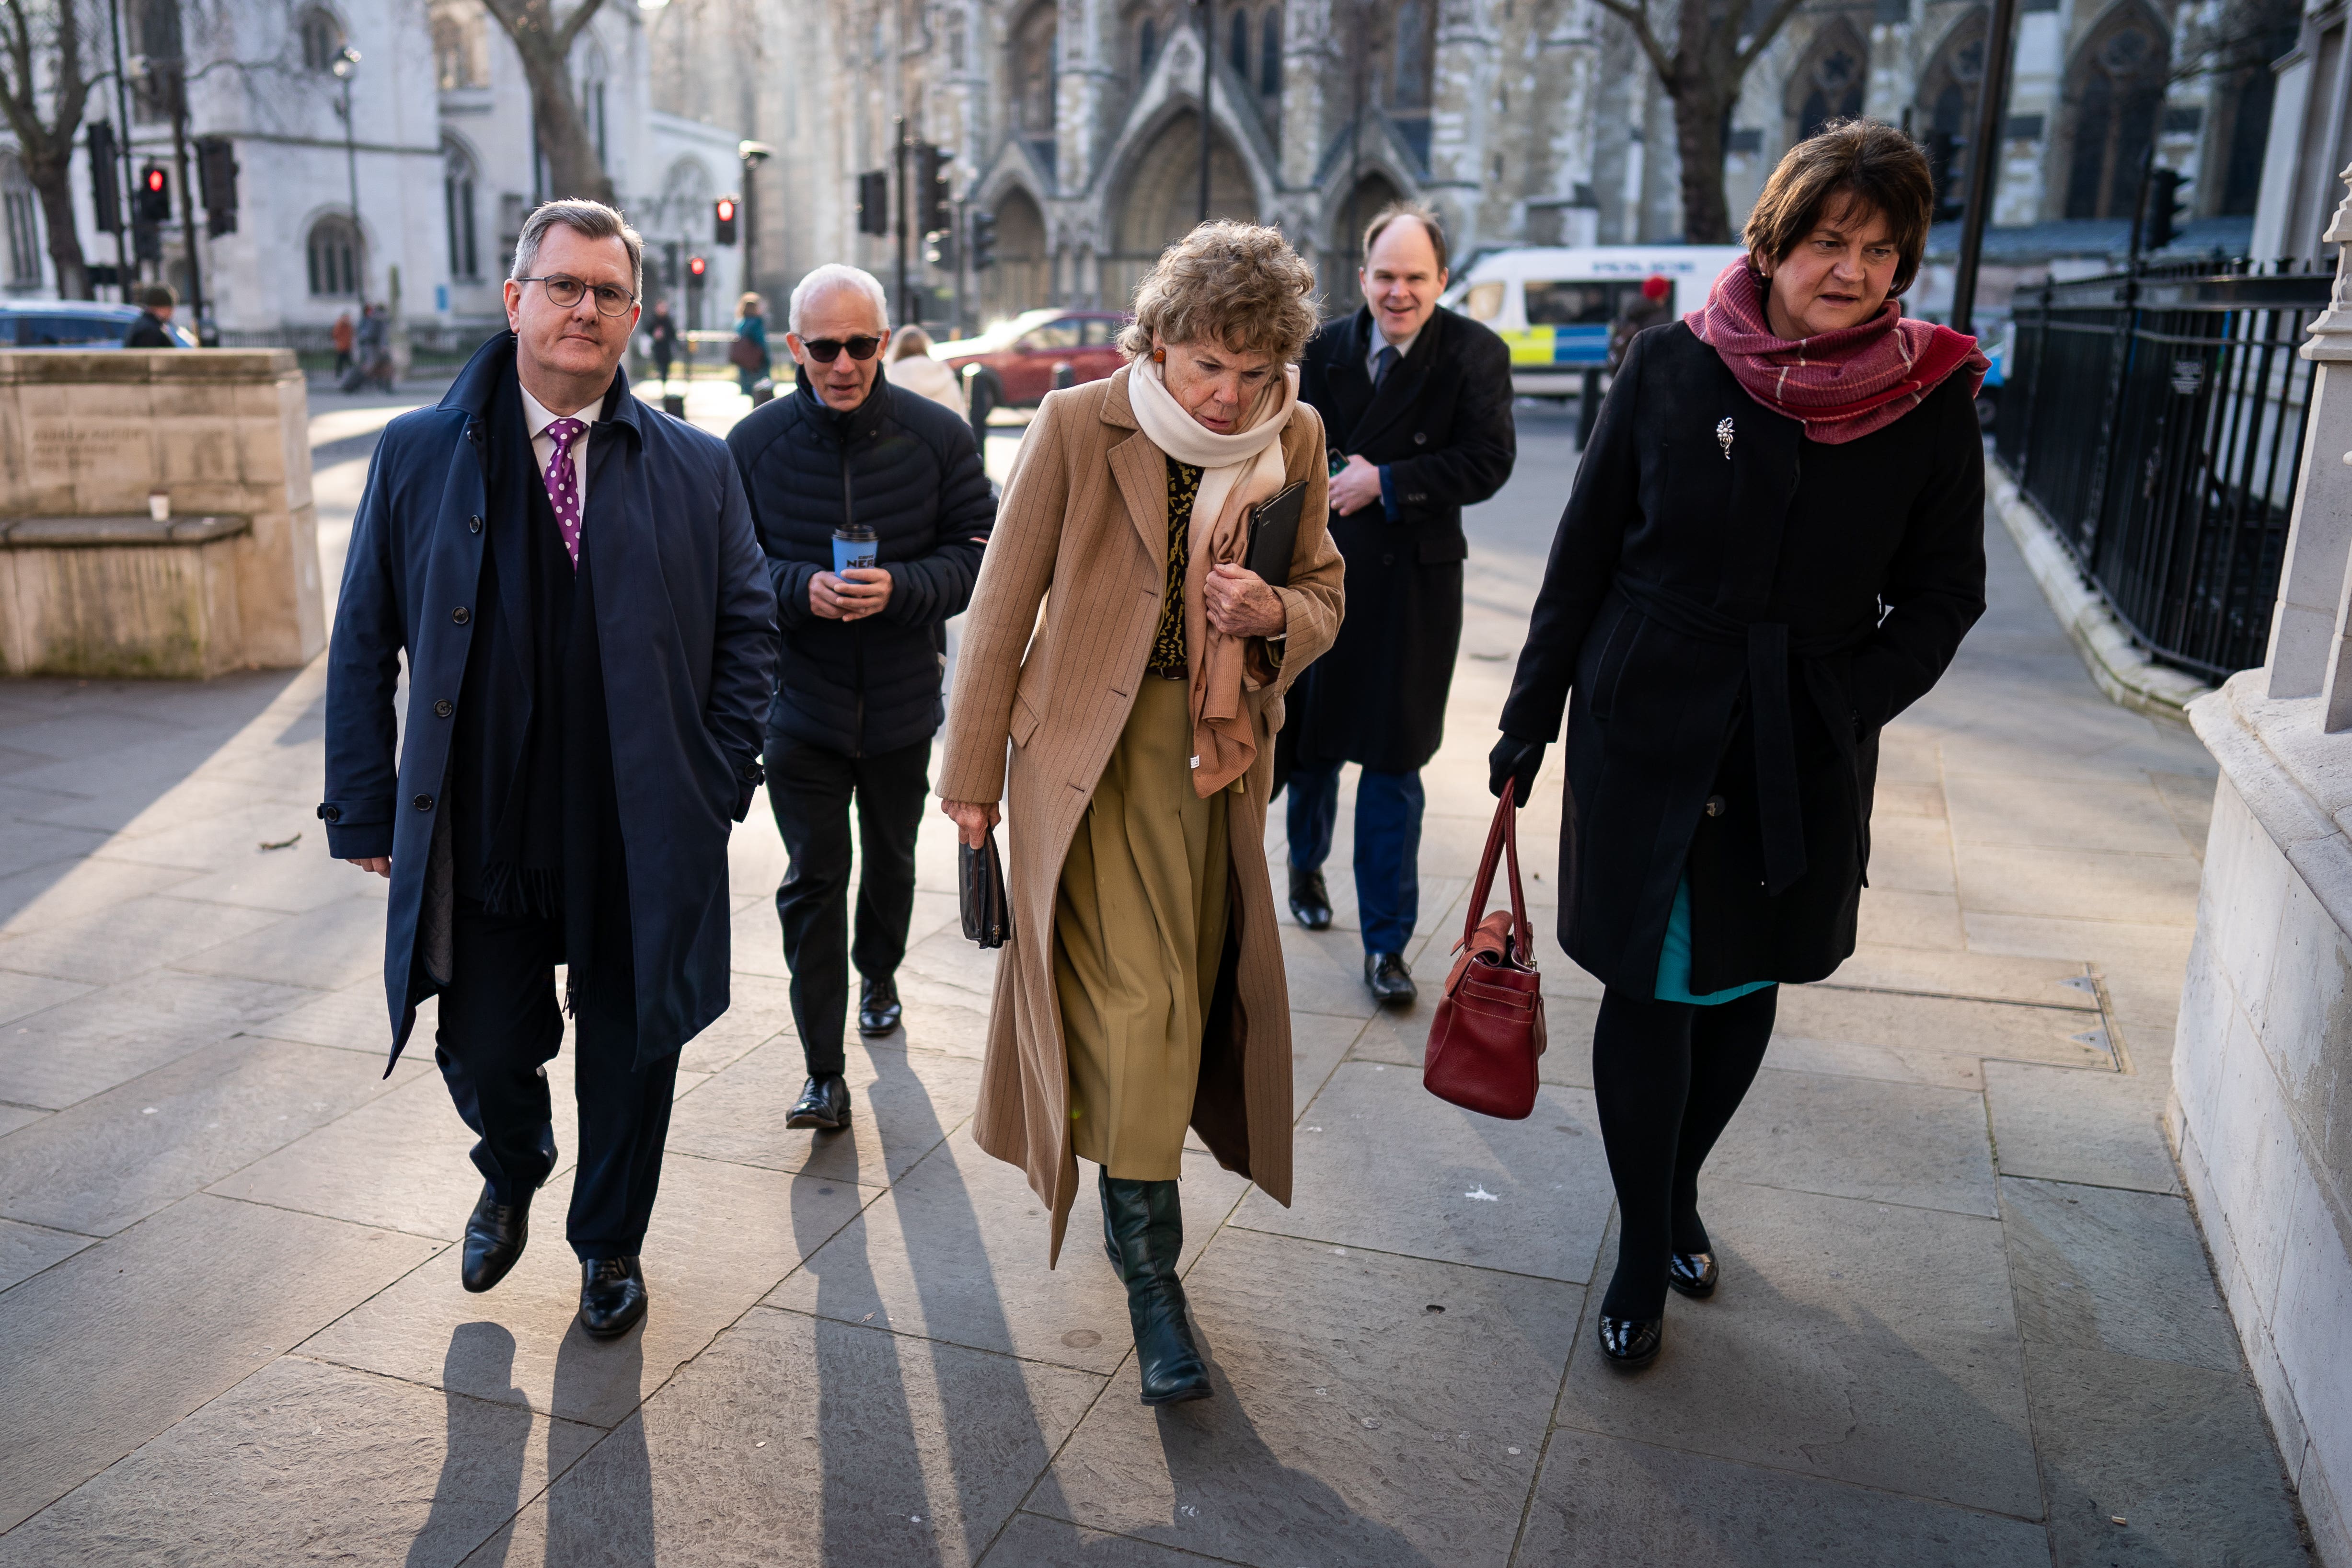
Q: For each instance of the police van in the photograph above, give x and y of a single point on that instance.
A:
(1555, 307)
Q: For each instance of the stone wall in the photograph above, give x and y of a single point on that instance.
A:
(90, 584)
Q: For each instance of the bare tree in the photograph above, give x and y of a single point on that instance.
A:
(43, 39)
(545, 45)
(1701, 73)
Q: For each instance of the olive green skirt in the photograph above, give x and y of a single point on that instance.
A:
(1138, 929)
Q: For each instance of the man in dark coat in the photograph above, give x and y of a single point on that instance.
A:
(590, 638)
(858, 698)
(1416, 406)
(156, 303)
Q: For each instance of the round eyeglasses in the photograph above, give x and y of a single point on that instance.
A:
(565, 293)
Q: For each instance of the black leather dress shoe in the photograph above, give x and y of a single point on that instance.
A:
(1631, 1342)
(612, 1296)
(1390, 980)
(878, 1006)
(824, 1104)
(1692, 1273)
(494, 1234)
(1308, 901)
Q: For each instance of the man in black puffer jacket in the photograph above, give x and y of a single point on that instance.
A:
(857, 696)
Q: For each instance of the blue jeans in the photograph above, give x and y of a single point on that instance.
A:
(1388, 845)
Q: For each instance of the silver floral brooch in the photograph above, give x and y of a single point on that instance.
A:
(1723, 438)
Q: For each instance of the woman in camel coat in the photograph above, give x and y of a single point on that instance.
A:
(1143, 987)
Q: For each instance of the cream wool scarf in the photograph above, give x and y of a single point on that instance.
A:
(1238, 471)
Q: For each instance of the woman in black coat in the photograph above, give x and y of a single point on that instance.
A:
(1774, 545)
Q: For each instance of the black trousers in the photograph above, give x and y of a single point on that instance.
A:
(811, 790)
(500, 1026)
(1667, 1077)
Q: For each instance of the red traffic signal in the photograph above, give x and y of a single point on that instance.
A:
(696, 267)
(151, 202)
(155, 180)
(723, 229)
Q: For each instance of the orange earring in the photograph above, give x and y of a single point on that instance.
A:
(1159, 357)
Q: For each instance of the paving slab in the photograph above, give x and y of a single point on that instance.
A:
(1899, 919)
(87, 1045)
(1911, 854)
(1353, 1425)
(759, 1009)
(1032, 1541)
(2157, 890)
(722, 1236)
(355, 1018)
(956, 1251)
(1604, 1503)
(1986, 977)
(1849, 1138)
(796, 1442)
(1403, 1039)
(2099, 1270)
(26, 1249)
(113, 944)
(1909, 1038)
(294, 879)
(1382, 1163)
(1857, 1342)
(331, 947)
(2104, 1128)
(123, 1339)
(1318, 1043)
(2179, 1453)
(72, 889)
(24, 994)
(353, 1468)
(28, 845)
(946, 983)
(117, 1157)
(2005, 810)
(903, 1104)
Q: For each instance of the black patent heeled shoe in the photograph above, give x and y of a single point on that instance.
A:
(1631, 1343)
(1693, 1274)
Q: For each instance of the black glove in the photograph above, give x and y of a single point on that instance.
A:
(1514, 761)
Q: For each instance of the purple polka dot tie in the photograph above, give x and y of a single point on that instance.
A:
(563, 484)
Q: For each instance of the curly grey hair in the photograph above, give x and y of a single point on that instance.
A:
(1239, 284)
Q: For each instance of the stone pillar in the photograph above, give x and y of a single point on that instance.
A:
(2261, 1063)
(1085, 84)
(93, 583)
(1572, 51)
(1460, 102)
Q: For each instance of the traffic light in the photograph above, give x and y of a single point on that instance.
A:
(2166, 210)
(932, 187)
(216, 180)
(983, 240)
(694, 268)
(874, 202)
(105, 178)
(723, 229)
(152, 203)
(940, 248)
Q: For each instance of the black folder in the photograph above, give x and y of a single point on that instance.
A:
(1274, 533)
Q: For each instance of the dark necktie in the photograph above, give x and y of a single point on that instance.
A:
(1384, 363)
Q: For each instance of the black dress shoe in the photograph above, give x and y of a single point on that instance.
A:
(1145, 1229)
(878, 1006)
(1631, 1342)
(1308, 901)
(1390, 980)
(494, 1234)
(824, 1104)
(612, 1296)
(1692, 1273)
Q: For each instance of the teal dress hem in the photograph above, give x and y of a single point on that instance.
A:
(1675, 960)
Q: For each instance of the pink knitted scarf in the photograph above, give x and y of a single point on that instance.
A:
(1839, 385)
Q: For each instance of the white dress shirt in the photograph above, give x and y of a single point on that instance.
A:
(1372, 359)
(538, 417)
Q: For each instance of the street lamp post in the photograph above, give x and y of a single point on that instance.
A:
(346, 66)
(754, 154)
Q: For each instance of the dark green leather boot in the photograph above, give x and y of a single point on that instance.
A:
(1144, 1227)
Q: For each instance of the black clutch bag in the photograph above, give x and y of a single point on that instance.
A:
(980, 884)
(1274, 534)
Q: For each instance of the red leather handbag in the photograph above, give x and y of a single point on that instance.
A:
(1489, 1028)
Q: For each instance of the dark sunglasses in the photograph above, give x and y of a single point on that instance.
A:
(825, 351)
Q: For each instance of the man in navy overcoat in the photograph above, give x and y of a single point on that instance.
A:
(591, 637)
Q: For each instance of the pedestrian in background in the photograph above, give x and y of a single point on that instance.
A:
(850, 463)
(1641, 313)
(914, 370)
(1418, 398)
(1142, 989)
(661, 332)
(341, 337)
(749, 351)
(1774, 546)
(589, 638)
(148, 329)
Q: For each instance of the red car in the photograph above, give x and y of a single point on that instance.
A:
(1017, 362)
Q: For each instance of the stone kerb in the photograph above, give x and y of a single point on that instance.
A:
(91, 585)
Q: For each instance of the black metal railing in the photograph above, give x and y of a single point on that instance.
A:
(2156, 417)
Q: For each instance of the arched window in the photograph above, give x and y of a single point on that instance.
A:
(1237, 43)
(334, 257)
(457, 196)
(461, 45)
(2115, 89)
(1947, 107)
(1147, 45)
(321, 36)
(1829, 85)
(1269, 53)
(1033, 69)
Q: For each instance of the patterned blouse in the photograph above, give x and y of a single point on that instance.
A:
(1169, 660)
